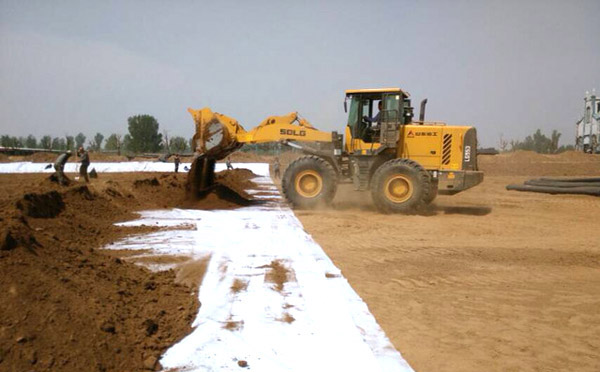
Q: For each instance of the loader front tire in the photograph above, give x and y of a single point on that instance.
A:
(433, 191)
(400, 186)
(309, 182)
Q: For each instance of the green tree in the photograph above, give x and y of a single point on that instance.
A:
(178, 145)
(7, 141)
(70, 142)
(46, 142)
(79, 140)
(539, 143)
(143, 131)
(31, 142)
(126, 145)
(58, 143)
(564, 148)
(113, 143)
(97, 143)
(554, 138)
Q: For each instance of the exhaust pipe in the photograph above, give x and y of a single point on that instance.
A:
(422, 112)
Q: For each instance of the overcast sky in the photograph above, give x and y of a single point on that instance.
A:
(506, 67)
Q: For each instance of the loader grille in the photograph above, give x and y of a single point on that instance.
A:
(446, 147)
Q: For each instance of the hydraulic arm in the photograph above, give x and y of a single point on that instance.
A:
(219, 135)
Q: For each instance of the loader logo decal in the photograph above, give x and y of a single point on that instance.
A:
(412, 134)
(292, 132)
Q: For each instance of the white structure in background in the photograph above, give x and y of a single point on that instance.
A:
(588, 127)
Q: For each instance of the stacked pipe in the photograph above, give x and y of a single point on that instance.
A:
(580, 186)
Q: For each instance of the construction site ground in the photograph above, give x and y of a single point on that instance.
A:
(487, 280)
(490, 280)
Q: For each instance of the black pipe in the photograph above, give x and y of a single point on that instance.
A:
(591, 179)
(562, 184)
(422, 112)
(594, 191)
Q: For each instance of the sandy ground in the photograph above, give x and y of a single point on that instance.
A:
(491, 280)
(488, 280)
(67, 305)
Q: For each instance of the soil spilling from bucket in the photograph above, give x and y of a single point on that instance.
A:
(229, 190)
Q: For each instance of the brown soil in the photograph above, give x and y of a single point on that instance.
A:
(234, 325)
(247, 157)
(68, 306)
(228, 189)
(238, 181)
(278, 274)
(239, 285)
(287, 318)
(528, 163)
(489, 280)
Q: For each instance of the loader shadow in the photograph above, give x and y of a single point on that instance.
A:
(367, 205)
(469, 211)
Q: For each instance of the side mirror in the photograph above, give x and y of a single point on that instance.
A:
(345, 106)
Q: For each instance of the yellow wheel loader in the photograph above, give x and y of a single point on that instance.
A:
(404, 163)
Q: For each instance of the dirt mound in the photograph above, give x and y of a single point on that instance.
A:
(66, 305)
(146, 182)
(523, 156)
(46, 205)
(528, 163)
(41, 157)
(248, 157)
(578, 156)
(17, 233)
(237, 180)
(227, 189)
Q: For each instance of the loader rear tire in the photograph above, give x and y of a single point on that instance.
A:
(309, 182)
(401, 186)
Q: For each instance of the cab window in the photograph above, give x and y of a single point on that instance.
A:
(353, 114)
(391, 108)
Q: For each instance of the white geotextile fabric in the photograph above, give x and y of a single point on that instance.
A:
(129, 166)
(332, 330)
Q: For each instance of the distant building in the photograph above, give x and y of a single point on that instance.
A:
(588, 127)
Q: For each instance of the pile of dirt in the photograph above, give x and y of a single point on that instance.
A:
(41, 157)
(146, 182)
(46, 205)
(577, 156)
(248, 157)
(65, 304)
(529, 163)
(238, 181)
(226, 189)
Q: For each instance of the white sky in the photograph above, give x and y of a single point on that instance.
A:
(506, 67)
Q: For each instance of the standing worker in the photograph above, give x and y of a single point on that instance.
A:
(228, 162)
(59, 167)
(177, 161)
(276, 167)
(85, 163)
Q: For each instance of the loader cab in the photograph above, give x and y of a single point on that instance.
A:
(368, 127)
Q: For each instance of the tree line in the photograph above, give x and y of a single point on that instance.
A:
(143, 137)
(537, 142)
